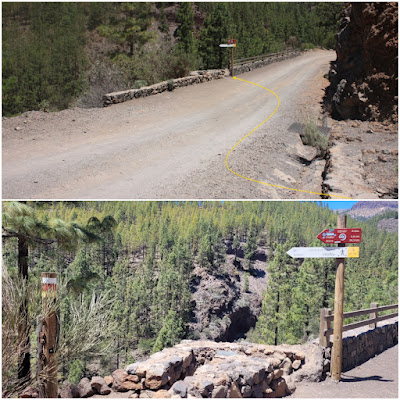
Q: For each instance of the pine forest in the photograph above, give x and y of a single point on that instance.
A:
(63, 54)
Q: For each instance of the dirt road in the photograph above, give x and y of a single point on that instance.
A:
(172, 145)
(376, 378)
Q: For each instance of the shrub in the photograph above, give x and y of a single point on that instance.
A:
(312, 136)
(307, 46)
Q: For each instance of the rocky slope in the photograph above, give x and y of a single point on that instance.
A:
(368, 209)
(364, 78)
(389, 225)
(224, 309)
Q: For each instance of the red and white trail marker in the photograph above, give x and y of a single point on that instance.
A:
(345, 235)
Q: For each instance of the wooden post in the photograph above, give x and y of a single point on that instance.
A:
(49, 336)
(373, 316)
(337, 349)
(324, 325)
(232, 64)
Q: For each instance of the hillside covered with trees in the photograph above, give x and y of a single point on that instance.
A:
(57, 55)
(127, 273)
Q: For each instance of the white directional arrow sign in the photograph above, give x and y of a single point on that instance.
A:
(324, 252)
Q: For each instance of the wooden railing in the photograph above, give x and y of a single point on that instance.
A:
(262, 57)
(326, 318)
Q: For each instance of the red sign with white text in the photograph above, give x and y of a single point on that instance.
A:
(346, 235)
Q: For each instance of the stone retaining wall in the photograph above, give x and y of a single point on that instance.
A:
(360, 348)
(194, 78)
(240, 69)
(207, 369)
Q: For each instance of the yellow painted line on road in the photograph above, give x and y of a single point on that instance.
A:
(244, 137)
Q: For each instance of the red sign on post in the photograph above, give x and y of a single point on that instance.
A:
(231, 41)
(347, 235)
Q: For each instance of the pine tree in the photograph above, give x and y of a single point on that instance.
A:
(185, 17)
(216, 30)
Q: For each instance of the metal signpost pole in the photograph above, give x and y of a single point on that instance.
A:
(336, 360)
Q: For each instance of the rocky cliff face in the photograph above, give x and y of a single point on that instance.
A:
(368, 209)
(223, 309)
(364, 77)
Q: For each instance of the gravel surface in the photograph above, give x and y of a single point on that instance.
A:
(376, 378)
(172, 145)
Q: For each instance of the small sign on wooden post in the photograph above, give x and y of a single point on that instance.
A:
(48, 334)
(230, 43)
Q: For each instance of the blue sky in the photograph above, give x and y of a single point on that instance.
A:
(339, 204)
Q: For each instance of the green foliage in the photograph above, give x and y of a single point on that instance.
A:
(185, 19)
(216, 29)
(312, 136)
(171, 332)
(76, 371)
(43, 57)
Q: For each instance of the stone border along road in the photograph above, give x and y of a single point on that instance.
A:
(171, 146)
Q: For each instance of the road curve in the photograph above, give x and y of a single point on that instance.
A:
(169, 146)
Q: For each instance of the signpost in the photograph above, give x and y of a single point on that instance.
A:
(231, 43)
(341, 236)
(330, 236)
(324, 252)
(337, 348)
(48, 334)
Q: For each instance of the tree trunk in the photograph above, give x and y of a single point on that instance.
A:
(276, 313)
(24, 358)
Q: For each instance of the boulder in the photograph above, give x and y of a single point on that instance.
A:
(234, 391)
(278, 373)
(85, 388)
(296, 364)
(286, 365)
(97, 382)
(205, 387)
(279, 387)
(118, 377)
(108, 380)
(219, 392)
(180, 388)
(156, 376)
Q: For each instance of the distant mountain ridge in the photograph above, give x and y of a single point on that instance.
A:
(368, 209)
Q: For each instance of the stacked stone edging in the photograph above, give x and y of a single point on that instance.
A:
(207, 369)
(360, 348)
(194, 78)
(240, 69)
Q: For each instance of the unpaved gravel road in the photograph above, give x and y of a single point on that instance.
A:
(172, 145)
(376, 378)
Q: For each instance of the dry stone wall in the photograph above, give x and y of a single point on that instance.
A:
(194, 78)
(207, 369)
(360, 348)
(240, 69)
